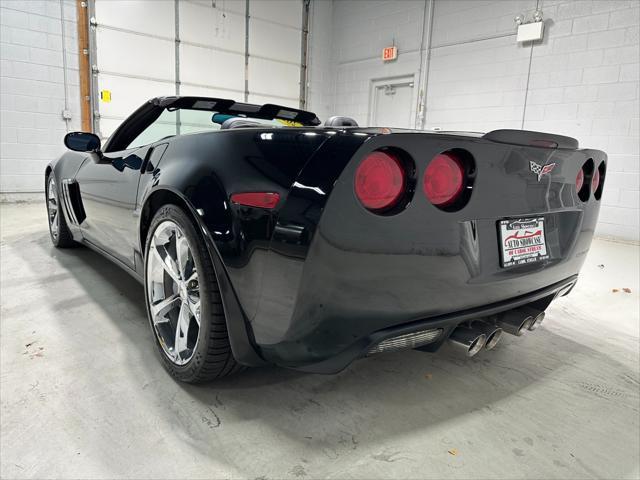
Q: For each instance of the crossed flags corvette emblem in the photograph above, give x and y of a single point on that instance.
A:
(541, 170)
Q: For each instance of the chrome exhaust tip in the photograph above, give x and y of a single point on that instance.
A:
(468, 340)
(538, 317)
(492, 332)
(515, 322)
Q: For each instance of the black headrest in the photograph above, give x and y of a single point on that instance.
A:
(238, 123)
(338, 121)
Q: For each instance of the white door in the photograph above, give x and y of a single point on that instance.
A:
(391, 105)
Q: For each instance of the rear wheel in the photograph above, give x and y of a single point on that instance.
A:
(183, 300)
(58, 230)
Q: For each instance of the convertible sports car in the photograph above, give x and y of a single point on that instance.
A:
(262, 237)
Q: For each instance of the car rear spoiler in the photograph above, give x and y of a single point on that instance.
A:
(532, 139)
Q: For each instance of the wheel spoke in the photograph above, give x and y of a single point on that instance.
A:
(52, 206)
(194, 308)
(54, 223)
(167, 263)
(182, 330)
(182, 253)
(160, 309)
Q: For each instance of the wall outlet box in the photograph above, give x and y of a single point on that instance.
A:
(529, 32)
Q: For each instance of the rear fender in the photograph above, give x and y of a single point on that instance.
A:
(240, 337)
(294, 232)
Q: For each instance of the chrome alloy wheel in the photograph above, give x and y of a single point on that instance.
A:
(173, 292)
(53, 208)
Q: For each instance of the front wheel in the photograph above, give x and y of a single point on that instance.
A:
(183, 300)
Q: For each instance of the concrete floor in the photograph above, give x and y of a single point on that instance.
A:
(84, 396)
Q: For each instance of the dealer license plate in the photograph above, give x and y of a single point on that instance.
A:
(522, 241)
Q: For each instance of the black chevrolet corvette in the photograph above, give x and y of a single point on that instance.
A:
(263, 237)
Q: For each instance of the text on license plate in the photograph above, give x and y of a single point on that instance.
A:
(522, 241)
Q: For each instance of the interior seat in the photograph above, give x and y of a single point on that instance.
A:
(236, 122)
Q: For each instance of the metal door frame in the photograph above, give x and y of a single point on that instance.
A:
(393, 81)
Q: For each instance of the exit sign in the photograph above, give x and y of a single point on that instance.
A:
(389, 53)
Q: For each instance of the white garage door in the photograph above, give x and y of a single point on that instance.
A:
(147, 48)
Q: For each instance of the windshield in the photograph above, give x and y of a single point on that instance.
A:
(183, 121)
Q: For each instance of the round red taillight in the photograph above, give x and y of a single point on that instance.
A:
(595, 180)
(444, 179)
(380, 181)
(579, 180)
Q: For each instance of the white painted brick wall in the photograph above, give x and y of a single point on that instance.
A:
(463, 20)
(478, 86)
(583, 80)
(354, 34)
(597, 63)
(32, 89)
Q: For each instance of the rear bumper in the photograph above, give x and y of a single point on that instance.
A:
(357, 291)
(280, 354)
(360, 277)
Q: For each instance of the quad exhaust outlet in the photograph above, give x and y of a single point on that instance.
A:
(470, 339)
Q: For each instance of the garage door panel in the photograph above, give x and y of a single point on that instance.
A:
(215, 27)
(274, 41)
(136, 52)
(199, 91)
(204, 66)
(136, 55)
(135, 15)
(127, 94)
(108, 126)
(288, 12)
(267, 77)
(262, 99)
(226, 6)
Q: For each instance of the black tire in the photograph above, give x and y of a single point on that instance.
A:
(64, 238)
(213, 357)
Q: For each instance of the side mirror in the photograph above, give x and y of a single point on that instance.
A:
(82, 142)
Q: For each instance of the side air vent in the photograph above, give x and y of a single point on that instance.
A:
(72, 202)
